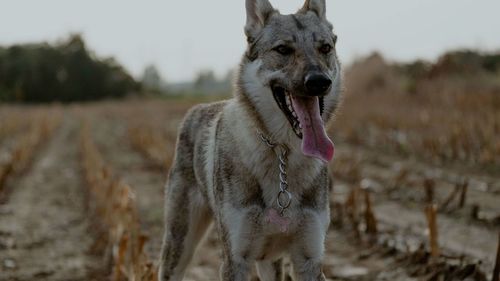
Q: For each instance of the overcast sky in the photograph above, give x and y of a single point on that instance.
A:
(181, 36)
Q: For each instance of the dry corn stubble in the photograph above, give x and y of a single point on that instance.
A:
(28, 143)
(114, 205)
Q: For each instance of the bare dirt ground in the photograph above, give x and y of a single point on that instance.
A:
(44, 229)
(44, 226)
(405, 196)
(397, 185)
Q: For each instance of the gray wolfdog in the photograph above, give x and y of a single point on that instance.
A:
(256, 164)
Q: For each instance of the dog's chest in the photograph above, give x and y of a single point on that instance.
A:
(298, 177)
(260, 188)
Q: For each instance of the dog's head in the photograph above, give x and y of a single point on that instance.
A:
(291, 74)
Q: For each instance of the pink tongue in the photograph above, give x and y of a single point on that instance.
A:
(315, 141)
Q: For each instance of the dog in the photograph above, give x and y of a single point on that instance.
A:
(256, 165)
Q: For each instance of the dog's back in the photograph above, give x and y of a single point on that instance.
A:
(193, 138)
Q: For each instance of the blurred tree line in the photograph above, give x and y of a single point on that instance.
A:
(64, 72)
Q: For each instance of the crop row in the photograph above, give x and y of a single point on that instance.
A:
(113, 204)
(26, 144)
(156, 146)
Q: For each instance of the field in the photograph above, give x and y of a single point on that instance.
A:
(416, 191)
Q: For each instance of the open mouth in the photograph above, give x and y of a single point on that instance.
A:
(304, 115)
(284, 101)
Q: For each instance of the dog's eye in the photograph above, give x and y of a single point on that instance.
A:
(284, 50)
(325, 49)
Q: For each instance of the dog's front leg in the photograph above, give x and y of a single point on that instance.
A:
(308, 247)
(239, 228)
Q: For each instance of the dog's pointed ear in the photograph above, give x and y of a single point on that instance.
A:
(317, 6)
(258, 12)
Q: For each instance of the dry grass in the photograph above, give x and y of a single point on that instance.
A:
(154, 135)
(442, 119)
(30, 130)
(113, 204)
(154, 144)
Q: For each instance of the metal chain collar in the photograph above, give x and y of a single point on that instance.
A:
(284, 198)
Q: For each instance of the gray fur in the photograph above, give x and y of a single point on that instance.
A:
(222, 172)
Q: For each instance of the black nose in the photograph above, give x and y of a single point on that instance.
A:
(317, 84)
